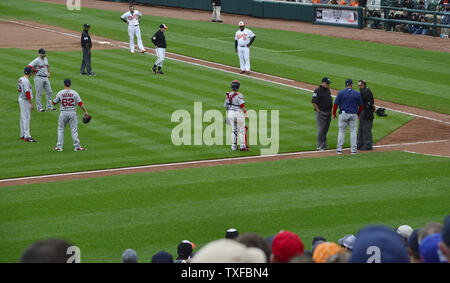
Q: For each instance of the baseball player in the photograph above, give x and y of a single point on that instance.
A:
(243, 39)
(236, 115)
(133, 18)
(69, 99)
(41, 67)
(159, 40)
(25, 104)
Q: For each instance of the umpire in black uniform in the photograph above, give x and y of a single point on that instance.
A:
(366, 120)
(86, 46)
(323, 104)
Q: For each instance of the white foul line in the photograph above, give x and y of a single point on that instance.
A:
(93, 172)
(226, 71)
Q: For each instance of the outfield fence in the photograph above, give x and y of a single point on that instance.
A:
(337, 15)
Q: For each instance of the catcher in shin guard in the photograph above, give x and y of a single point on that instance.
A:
(236, 115)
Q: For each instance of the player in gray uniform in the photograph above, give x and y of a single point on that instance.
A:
(68, 115)
(25, 104)
(235, 106)
(42, 69)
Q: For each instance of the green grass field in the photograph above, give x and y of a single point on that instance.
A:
(155, 211)
(131, 126)
(398, 74)
(132, 111)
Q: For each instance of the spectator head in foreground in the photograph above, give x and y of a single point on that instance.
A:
(184, 250)
(429, 229)
(326, 250)
(129, 256)
(254, 240)
(47, 251)
(405, 231)
(347, 242)
(444, 246)
(412, 246)
(378, 244)
(162, 257)
(429, 249)
(285, 246)
(228, 251)
(231, 234)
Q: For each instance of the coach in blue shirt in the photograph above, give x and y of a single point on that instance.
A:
(350, 106)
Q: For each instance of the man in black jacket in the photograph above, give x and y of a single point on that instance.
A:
(366, 120)
(86, 46)
(323, 104)
(159, 40)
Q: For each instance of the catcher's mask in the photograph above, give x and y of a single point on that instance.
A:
(235, 85)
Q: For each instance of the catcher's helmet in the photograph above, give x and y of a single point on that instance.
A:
(235, 85)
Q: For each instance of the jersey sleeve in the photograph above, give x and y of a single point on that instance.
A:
(241, 99)
(236, 36)
(360, 100)
(315, 97)
(139, 13)
(123, 16)
(78, 100)
(338, 99)
(250, 34)
(57, 98)
(33, 63)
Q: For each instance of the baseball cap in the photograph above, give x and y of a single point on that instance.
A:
(446, 231)
(348, 82)
(129, 256)
(67, 82)
(326, 80)
(429, 250)
(41, 51)
(228, 251)
(347, 241)
(287, 245)
(27, 70)
(162, 26)
(87, 25)
(231, 233)
(325, 250)
(378, 243)
(405, 231)
(241, 23)
(162, 257)
(185, 249)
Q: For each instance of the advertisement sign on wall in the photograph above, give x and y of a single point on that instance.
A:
(336, 16)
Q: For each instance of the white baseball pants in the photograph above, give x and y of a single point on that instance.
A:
(161, 53)
(237, 121)
(244, 58)
(25, 115)
(41, 84)
(68, 117)
(132, 31)
(350, 121)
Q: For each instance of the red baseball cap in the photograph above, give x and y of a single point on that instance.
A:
(287, 245)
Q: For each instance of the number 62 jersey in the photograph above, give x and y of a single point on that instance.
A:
(69, 100)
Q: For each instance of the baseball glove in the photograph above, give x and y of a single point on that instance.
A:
(86, 118)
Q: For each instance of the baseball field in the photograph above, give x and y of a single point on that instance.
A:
(132, 124)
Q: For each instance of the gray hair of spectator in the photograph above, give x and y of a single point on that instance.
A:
(254, 240)
(129, 256)
(430, 228)
(363, 82)
(47, 251)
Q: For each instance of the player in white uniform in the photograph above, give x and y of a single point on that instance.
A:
(236, 114)
(25, 104)
(133, 18)
(41, 67)
(243, 39)
(69, 99)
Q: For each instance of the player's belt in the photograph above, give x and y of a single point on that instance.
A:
(42, 76)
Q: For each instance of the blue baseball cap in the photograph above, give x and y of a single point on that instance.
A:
(67, 82)
(413, 241)
(27, 70)
(378, 244)
(41, 51)
(348, 82)
(429, 250)
(162, 257)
